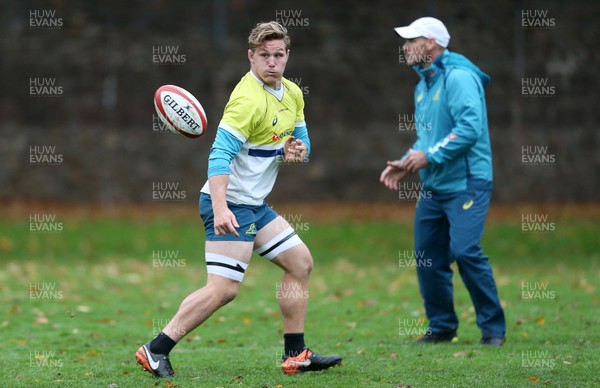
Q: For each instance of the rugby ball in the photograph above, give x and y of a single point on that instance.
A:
(180, 111)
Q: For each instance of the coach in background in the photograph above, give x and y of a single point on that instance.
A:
(453, 157)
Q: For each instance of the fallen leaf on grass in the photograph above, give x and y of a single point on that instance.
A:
(40, 317)
(540, 320)
(84, 309)
(566, 362)
(459, 354)
(367, 302)
(247, 320)
(89, 374)
(348, 292)
(533, 378)
(394, 355)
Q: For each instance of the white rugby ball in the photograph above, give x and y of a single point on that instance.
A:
(180, 111)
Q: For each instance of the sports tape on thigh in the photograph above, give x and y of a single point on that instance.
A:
(282, 242)
(225, 266)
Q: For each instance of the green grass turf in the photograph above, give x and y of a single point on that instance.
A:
(98, 294)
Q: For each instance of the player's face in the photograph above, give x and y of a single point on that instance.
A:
(418, 51)
(268, 61)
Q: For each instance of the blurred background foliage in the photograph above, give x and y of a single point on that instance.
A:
(345, 56)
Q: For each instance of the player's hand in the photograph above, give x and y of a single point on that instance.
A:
(225, 222)
(393, 174)
(294, 151)
(415, 161)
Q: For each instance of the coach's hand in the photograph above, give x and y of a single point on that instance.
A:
(225, 222)
(393, 174)
(415, 161)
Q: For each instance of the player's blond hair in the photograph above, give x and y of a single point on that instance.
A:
(263, 32)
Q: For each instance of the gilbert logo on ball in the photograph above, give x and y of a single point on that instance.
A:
(180, 111)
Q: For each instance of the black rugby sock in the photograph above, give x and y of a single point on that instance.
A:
(162, 344)
(293, 344)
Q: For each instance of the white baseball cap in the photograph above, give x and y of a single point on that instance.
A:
(426, 27)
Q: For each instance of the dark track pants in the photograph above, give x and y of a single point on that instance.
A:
(449, 227)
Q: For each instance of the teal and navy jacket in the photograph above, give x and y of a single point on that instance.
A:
(451, 125)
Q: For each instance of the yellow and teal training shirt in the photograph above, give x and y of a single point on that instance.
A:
(255, 125)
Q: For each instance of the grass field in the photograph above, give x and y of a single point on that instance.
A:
(78, 300)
